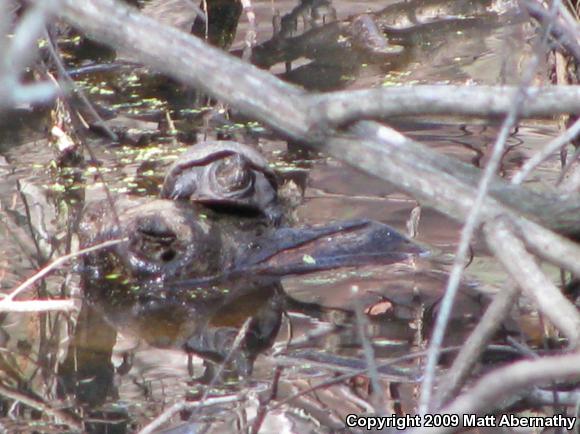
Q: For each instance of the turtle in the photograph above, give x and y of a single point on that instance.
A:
(180, 275)
(184, 244)
(225, 175)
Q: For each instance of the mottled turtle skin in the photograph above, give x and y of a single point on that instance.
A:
(176, 241)
(183, 275)
(225, 175)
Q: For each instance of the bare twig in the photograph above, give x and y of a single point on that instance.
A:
(566, 36)
(477, 341)
(353, 373)
(378, 395)
(512, 254)
(569, 164)
(492, 389)
(34, 402)
(184, 405)
(63, 74)
(5, 301)
(20, 53)
(474, 216)
(38, 306)
(202, 403)
(340, 108)
(252, 32)
(263, 408)
(541, 156)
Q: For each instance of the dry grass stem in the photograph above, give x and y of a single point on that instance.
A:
(53, 266)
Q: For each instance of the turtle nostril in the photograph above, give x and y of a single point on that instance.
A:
(168, 255)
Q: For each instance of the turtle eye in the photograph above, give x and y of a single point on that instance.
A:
(233, 176)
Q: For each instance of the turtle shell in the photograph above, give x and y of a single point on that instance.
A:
(224, 174)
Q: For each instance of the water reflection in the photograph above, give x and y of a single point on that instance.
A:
(415, 37)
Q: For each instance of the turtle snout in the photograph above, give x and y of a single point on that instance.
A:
(157, 245)
(153, 245)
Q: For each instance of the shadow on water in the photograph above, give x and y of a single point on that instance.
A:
(276, 316)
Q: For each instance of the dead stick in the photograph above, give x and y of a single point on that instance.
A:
(489, 392)
(521, 265)
(38, 306)
(256, 93)
(52, 266)
(476, 343)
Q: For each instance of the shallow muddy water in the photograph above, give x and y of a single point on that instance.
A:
(115, 371)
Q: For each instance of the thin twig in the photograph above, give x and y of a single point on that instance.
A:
(34, 402)
(520, 264)
(62, 72)
(185, 405)
(85, 101)
(52, 266)
(354, 373)
(168, 414)
(378, 395)
(20, 53)
(492, 389)
(472, 223)
(38, 306)
(568, 166)
(567, 37)
(252, 32)
(541, 156)
(476, 343)
(264, 404)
